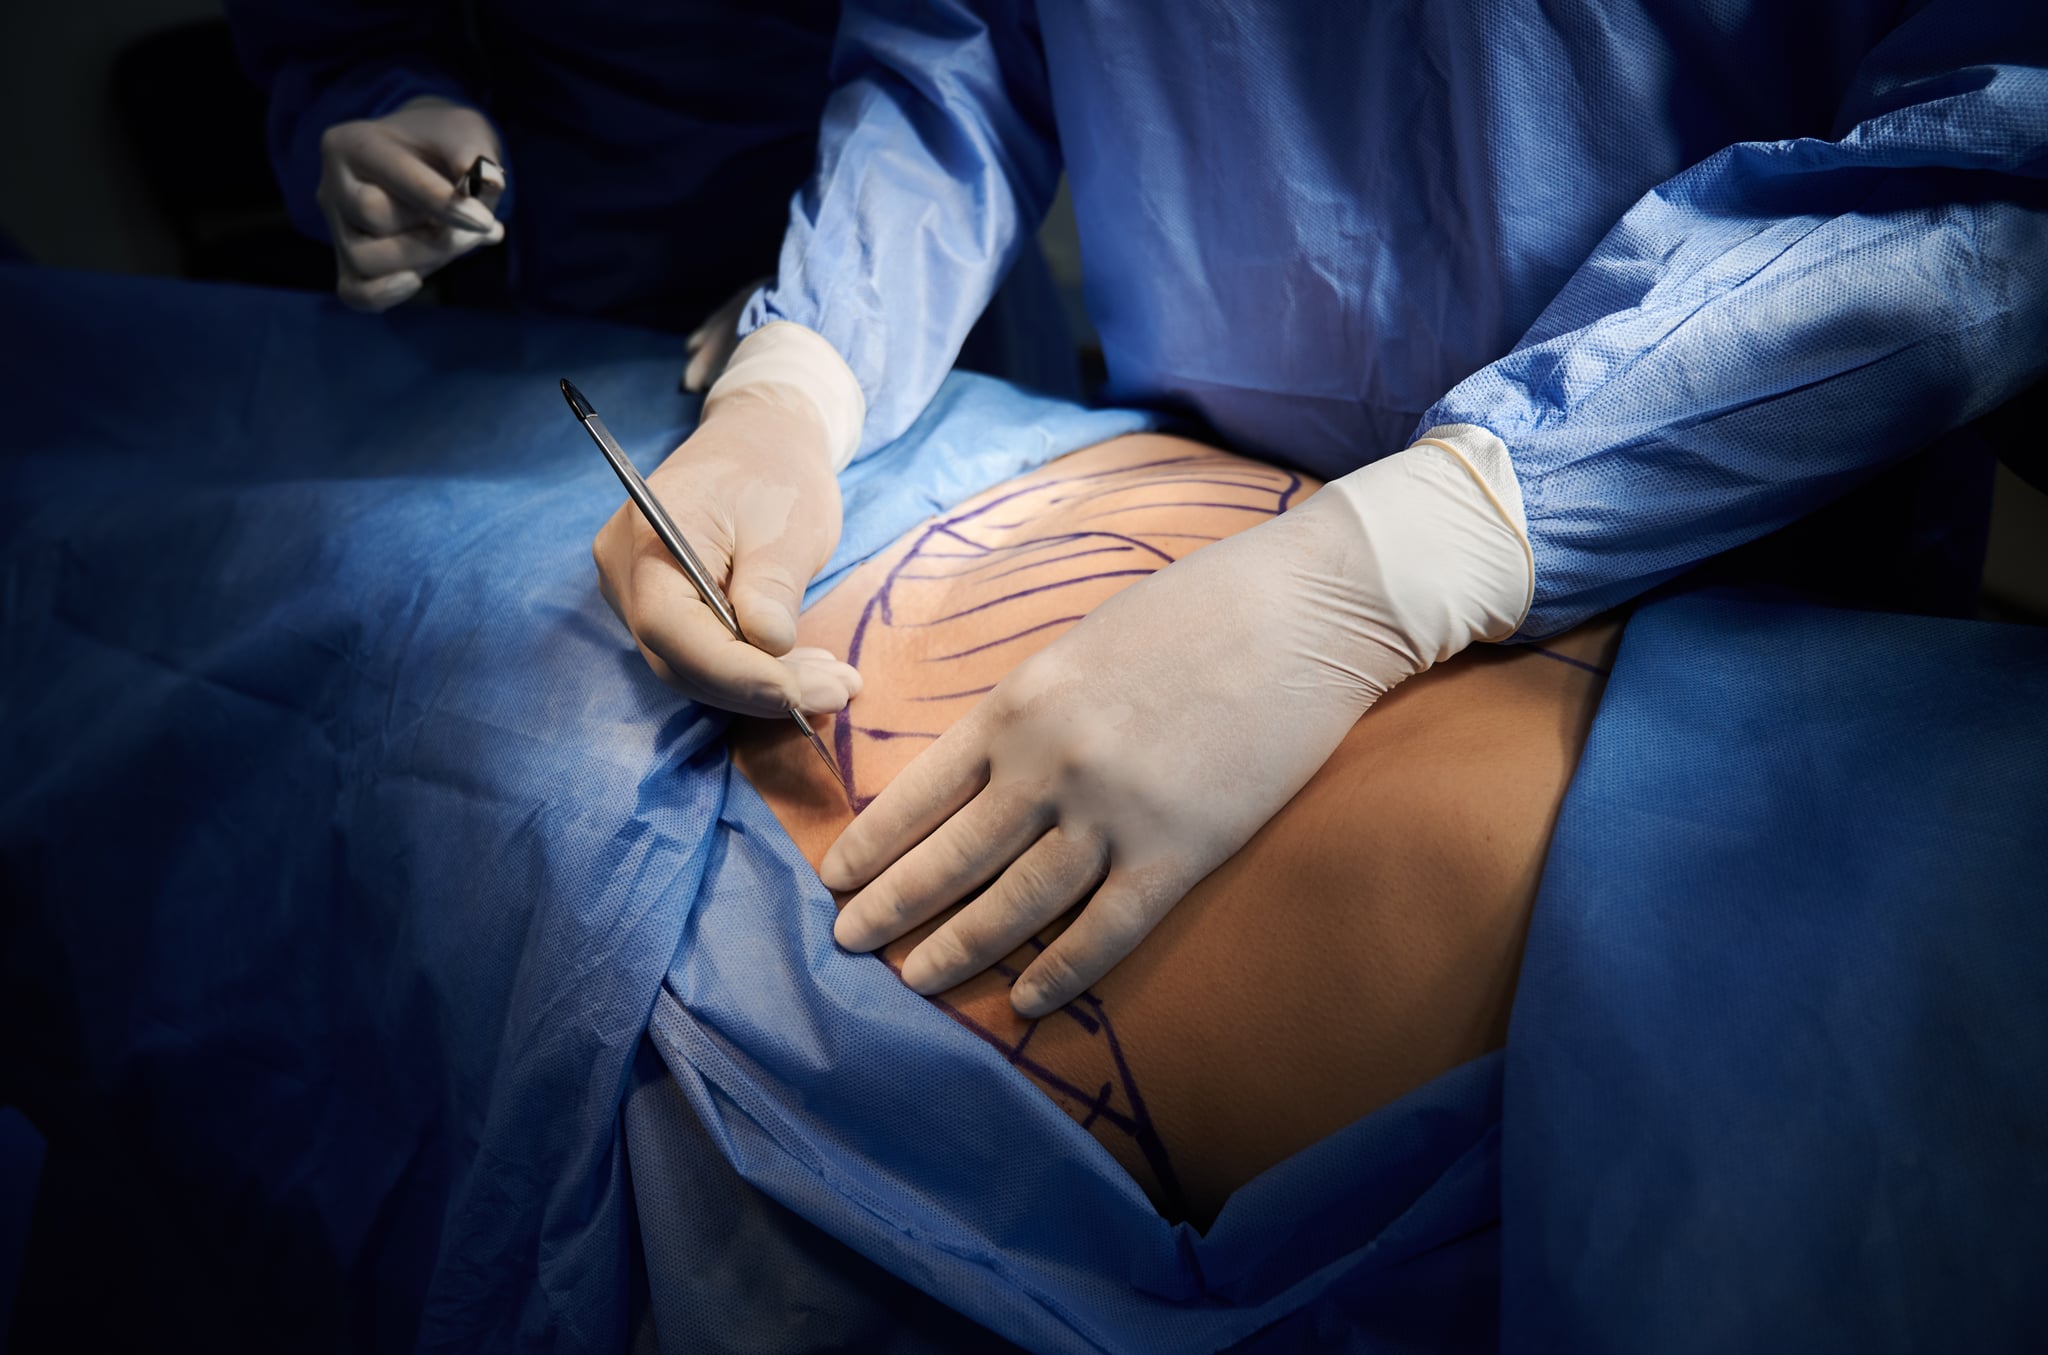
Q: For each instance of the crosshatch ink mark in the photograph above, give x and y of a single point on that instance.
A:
(948, 549)
(1100, 1105)
(955, 547)
(1117, 1102)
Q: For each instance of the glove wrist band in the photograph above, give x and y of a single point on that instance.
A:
(1485, 458)
(1440, 530)
(802, 363)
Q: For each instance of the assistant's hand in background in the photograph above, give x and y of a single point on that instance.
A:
(389, 191)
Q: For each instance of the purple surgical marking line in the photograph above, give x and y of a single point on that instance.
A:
(882, 604)
(1057, 559)
(870, 732)
(1030, 592)
(1055, 483)
(952, 575)
(1007, 639)
(1137, 1124)
(1179, 503)
(1276, 485)
(1566, 658)
(1014, 1055)
(1100, 1104)
(1255, 486)
(1287, 495)
(955, 696)
(1085, 477)
(1110, 493)
(1043, 543)
(1087, 1010)
(1149, 1142)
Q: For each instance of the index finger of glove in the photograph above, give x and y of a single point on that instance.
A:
(703, 659)
(966, 851)
(936, 784)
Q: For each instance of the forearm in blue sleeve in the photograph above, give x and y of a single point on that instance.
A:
(936, 161)
(1768, 329)
(321, 64)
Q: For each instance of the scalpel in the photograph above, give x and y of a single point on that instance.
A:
(665, 528)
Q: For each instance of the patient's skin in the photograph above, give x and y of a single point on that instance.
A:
(1366, 940)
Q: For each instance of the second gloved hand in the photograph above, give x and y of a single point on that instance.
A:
(1140, 750)
(388, 191)
(754, 490)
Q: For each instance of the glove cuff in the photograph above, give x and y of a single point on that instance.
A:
(803, 362)
(1444, 521)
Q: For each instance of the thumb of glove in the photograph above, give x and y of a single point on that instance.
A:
(767, 591)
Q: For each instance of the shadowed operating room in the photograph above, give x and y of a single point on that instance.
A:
(1024, 674)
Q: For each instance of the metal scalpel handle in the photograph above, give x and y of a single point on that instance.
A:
(678, 545)
(657, 516)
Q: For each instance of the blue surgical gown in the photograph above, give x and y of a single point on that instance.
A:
(652, 149)
(1701, 266)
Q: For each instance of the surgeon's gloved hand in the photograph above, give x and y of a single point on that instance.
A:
(754, 491)
(389, 188)
(1140, 750)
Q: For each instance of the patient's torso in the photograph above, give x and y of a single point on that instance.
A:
(1364, 942)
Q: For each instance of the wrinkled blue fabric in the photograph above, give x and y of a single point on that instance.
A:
(731, 1271)
(346, 838)
(1774, 1077)
(866, 1109)
(1702, 267)
(351, 856)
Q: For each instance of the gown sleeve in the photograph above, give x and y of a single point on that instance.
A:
(1761, 333)
(324, 63)
(936, 161)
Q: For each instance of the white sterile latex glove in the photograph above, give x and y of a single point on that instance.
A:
(390, 188)
(754, 491)
(711, 344)
(1140, 750)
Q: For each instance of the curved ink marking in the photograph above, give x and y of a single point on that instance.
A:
(1566, 658)
(956, 696)
(1030, 592)
(956, 546)
(1180, 503)
(1047, 543)
(1136, 1123)
(1057, 560)
(1043, 625)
